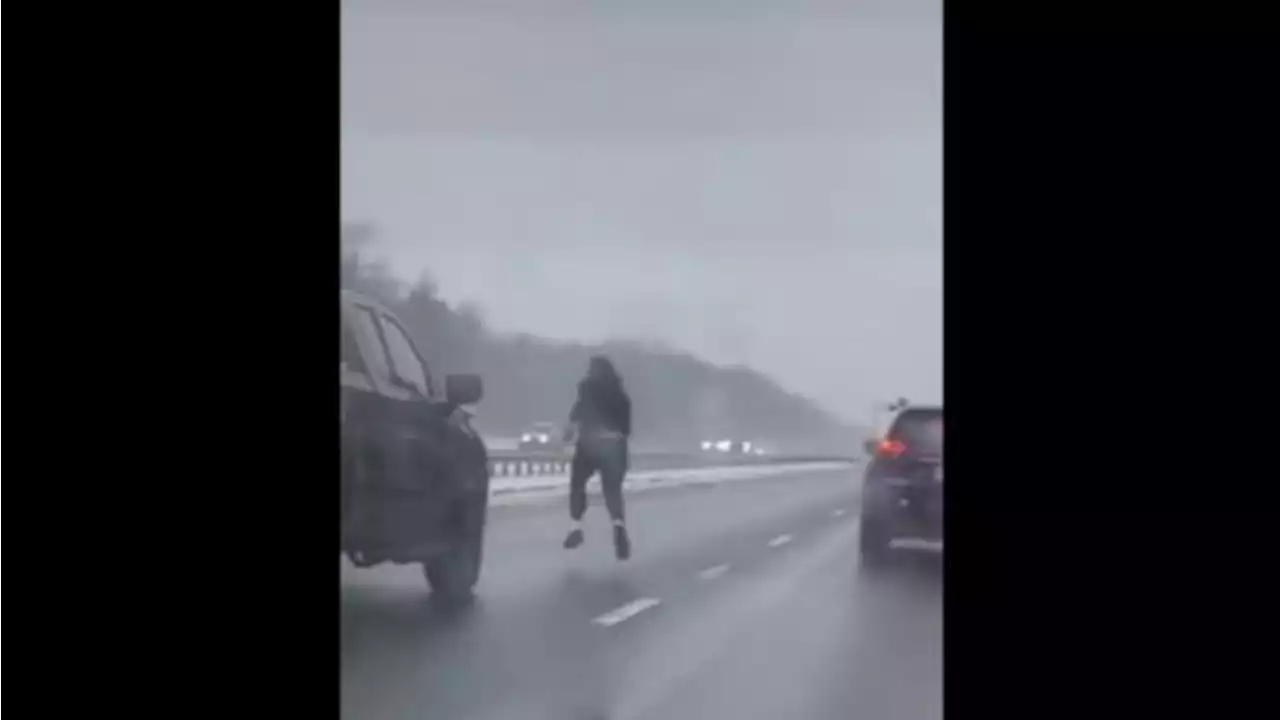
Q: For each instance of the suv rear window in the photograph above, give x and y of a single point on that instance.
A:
(920, 430)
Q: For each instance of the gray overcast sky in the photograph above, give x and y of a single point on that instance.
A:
(754, 181)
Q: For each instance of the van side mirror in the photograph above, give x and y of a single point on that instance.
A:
(463, 389)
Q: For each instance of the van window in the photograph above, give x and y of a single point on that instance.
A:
(405, 362)
(350, 357)
(366, 326)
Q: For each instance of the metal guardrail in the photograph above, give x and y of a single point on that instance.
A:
(511, 463)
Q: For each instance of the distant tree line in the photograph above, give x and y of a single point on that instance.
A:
(679, 400)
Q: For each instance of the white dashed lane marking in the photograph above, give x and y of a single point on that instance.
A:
(630, 610)
(838, 512)
(779, 541)
(712, 573)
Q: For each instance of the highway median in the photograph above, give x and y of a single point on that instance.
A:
(512, 489)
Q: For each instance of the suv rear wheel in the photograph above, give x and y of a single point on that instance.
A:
(873, 543)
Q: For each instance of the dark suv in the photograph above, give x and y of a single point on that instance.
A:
(415, 475)
(902, 498)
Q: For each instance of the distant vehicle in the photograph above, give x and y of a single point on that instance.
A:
(415, 475)
(902, 497)
(542, 437)
(731, 447)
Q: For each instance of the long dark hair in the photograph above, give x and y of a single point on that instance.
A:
(601, 368)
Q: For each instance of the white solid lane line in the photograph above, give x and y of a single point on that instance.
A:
(712, 573)
(779, 541)
(630, 610)
(916, 544)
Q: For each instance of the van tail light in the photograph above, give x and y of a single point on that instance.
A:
(891, 449)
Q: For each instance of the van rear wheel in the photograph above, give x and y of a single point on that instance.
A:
(453, 575)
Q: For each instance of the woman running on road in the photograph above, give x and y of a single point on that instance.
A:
(601, 420)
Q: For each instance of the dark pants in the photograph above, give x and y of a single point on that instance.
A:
(608, 456)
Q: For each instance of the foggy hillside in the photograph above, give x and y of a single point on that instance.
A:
(678, 399)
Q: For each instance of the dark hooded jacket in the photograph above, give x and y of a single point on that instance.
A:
(602, 404)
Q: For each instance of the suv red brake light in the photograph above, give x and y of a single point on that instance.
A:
(891, 448)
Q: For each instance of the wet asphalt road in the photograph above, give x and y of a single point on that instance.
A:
(760, 612)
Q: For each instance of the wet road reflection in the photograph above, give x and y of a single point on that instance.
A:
(795, 630)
